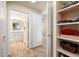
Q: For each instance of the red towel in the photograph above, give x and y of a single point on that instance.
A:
(70, 32)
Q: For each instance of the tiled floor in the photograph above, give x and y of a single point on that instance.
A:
(19, 49)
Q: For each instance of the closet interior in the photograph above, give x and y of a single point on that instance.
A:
(67, 28)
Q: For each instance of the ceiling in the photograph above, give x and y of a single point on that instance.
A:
(38, 5)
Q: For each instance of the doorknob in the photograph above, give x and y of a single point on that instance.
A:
(3, 38)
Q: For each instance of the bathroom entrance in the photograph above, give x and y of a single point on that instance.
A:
(18, 34)
(25, 32)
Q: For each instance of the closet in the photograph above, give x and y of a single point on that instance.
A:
(67, 36)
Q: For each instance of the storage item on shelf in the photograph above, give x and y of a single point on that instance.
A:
(71, 47)
(67, 4)
(77, 19)
(70, 32)
(78, 50)
(65, 21)
(62, 55)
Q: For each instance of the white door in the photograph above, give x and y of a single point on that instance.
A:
(35, 31)
(3, 29)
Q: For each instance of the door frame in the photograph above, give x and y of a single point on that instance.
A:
(8, 13)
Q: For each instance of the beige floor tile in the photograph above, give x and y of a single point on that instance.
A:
(19, 49)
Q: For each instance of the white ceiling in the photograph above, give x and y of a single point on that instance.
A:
(38, 5)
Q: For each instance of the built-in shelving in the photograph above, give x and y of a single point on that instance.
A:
(67, 13)
(69, 23)
(69, 38)
(69, 8)
(67, 52)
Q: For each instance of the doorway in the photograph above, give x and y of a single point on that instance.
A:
(21, 43)
(18, 33)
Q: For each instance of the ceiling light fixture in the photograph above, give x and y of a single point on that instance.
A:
(33, 1)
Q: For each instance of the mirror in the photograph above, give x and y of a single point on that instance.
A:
(16, 25)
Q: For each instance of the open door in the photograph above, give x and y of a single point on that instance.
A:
(35, 31)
